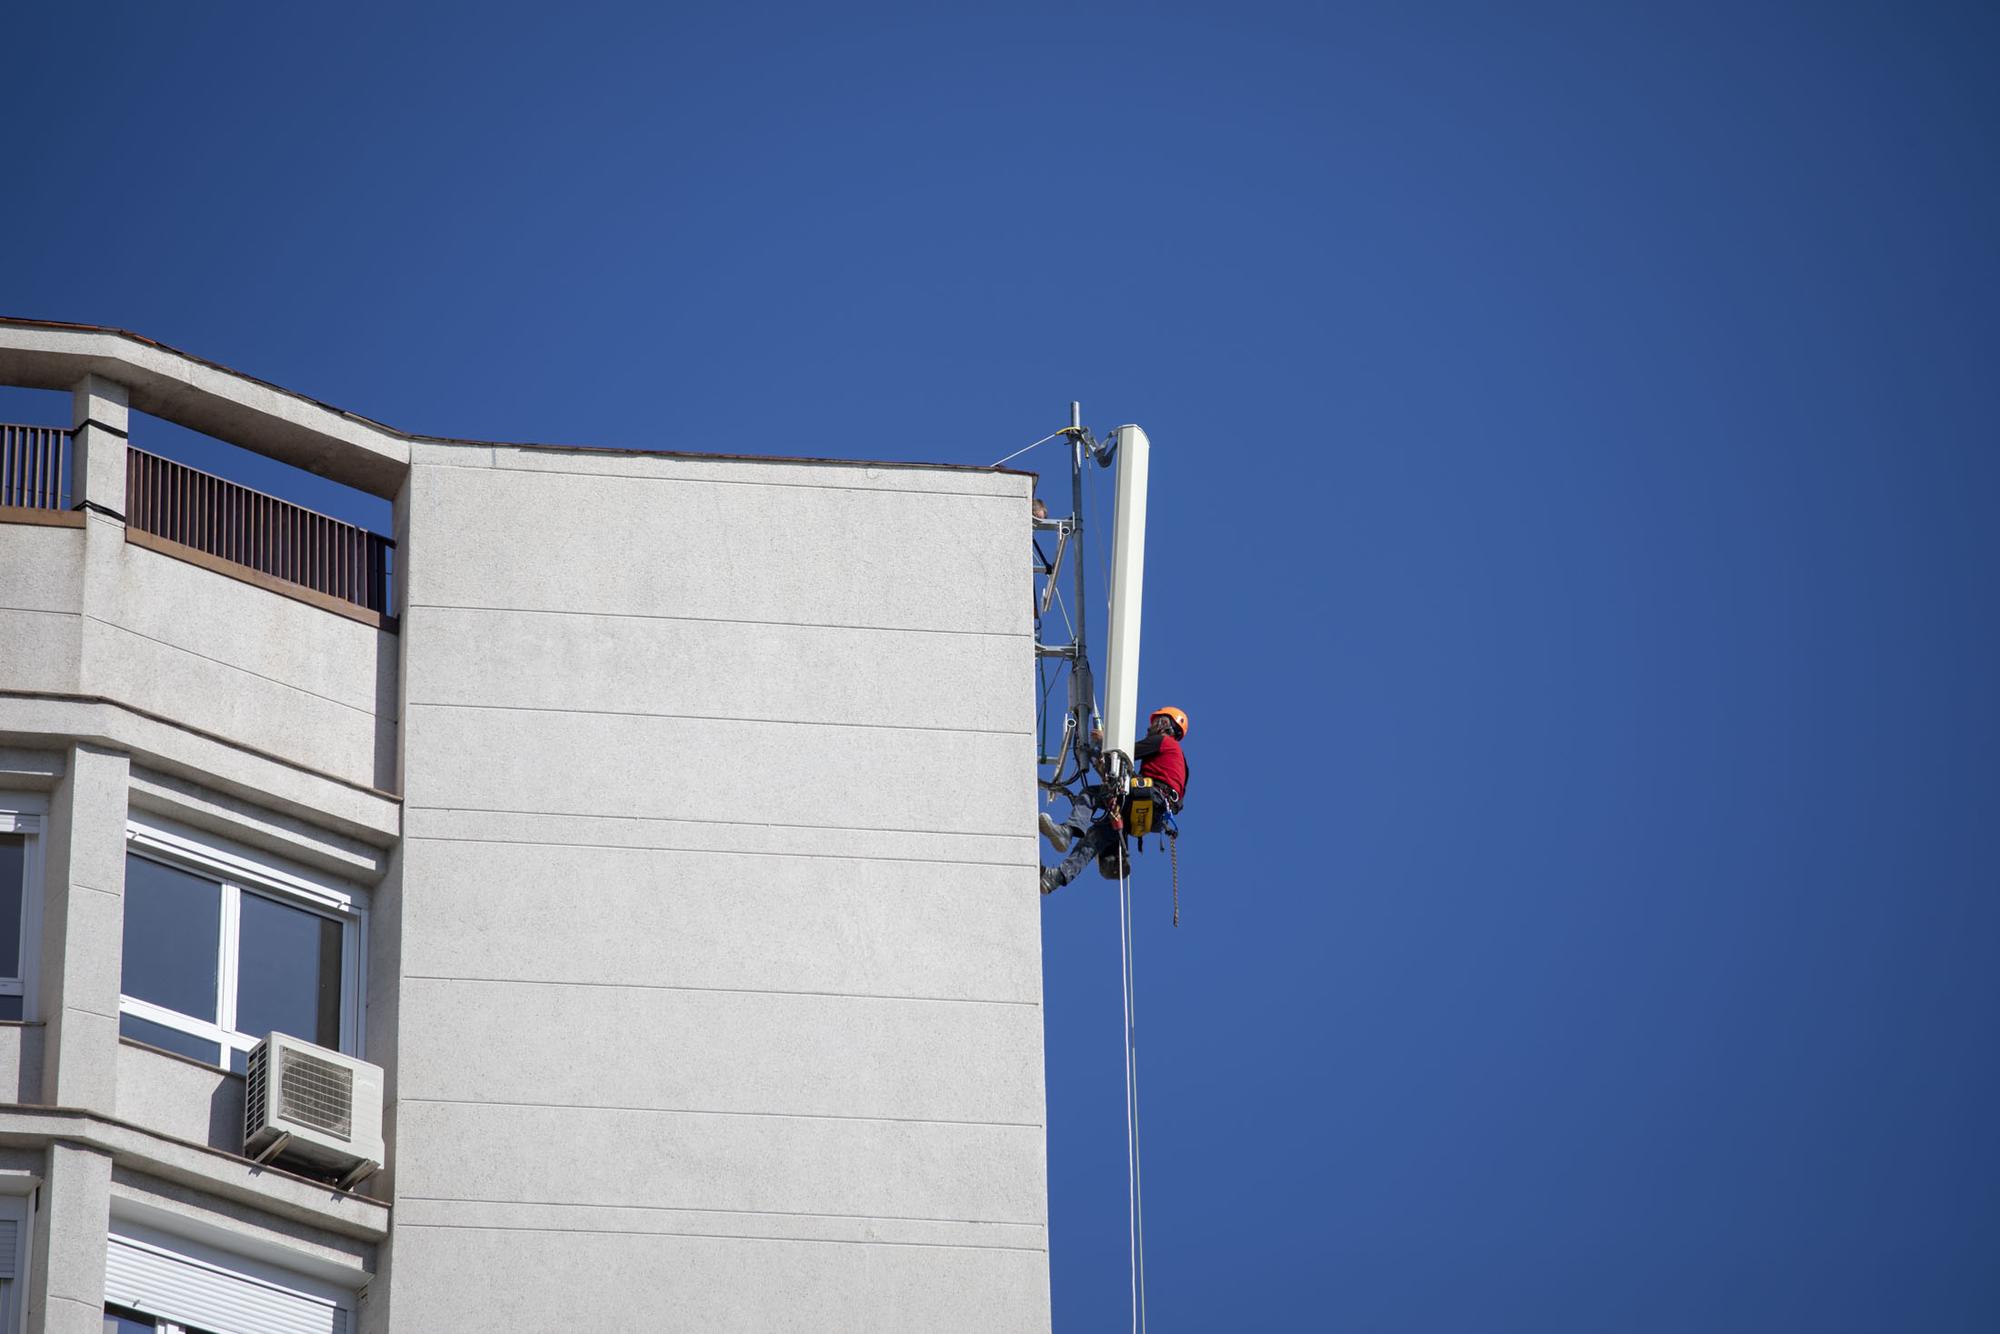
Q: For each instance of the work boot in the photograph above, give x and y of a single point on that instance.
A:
(1057, 836)
(1049, 882)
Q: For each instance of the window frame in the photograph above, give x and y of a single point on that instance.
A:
(26, 813)
(239, 871)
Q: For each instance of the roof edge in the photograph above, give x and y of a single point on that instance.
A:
(369, 474)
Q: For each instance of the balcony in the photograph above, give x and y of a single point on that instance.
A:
(220, 603)
(212, 522)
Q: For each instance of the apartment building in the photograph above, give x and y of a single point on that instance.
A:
(659, 825)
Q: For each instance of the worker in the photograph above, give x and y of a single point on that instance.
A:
(1160, 758)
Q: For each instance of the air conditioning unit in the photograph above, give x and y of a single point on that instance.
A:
(313, 1110)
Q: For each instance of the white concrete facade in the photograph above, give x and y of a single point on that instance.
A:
(691, 802)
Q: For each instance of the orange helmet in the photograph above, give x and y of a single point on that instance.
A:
(1180, 719)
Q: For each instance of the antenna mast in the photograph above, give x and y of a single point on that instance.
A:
(1102, 747)
(1081, 743)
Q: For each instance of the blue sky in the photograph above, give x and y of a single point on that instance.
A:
(1575, 469)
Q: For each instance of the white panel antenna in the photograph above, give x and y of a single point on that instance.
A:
(1128, 588)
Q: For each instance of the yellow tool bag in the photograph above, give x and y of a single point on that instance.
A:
(1145, 808)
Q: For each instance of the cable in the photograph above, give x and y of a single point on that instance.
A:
(1067, 623)
(1042, 697)
(1024, 449)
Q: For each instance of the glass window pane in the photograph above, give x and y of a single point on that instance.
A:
(288, 972)
(172, 923)
(13, 864)
(171, 1039)
(10, 1006)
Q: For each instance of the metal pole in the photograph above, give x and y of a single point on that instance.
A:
(1082, 696)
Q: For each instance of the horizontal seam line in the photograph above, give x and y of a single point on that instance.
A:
(717, 718)
(720, 852)
(497, 466)
(730, 991)
(189, 729)
(728, 1236)
(705, 1209)
(716, 620)
(734, 824)
(182, 648)
(40, 611)
(712, 1111)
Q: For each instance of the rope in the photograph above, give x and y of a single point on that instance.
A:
(1025, 448)
(1138, 1227)
(1174, 856)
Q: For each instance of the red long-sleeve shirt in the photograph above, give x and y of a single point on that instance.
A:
(1167, 764)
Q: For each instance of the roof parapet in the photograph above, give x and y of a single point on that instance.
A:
(212, 399)
(276, 422)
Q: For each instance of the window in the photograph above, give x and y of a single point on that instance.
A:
(124, 1320)
(159, 1281)
(20, 902)
(222, 949)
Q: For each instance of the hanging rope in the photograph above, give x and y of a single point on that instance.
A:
(1134, 1200)
(1174, 857)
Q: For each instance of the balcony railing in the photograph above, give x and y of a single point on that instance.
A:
(200, 516)
(204, 513)
(34, 467)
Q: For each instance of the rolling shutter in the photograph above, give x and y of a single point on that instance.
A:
(10, 1278)
(193, 1285)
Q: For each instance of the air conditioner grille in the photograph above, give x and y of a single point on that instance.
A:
(316, 1093)
(258, 1085)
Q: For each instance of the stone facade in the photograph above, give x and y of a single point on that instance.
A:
(687, 807)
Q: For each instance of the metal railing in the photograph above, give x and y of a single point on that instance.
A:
(34, 467)
(274, 537)
(210, 515)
